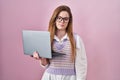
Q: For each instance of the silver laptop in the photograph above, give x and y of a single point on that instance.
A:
(38, 41)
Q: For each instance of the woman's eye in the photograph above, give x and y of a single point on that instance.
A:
(59, 18)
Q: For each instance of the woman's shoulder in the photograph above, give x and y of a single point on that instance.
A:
(78, 40)
(76, 36)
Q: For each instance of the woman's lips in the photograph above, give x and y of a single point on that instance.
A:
(62, 25)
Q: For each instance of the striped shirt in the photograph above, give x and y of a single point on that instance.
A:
(62, 64)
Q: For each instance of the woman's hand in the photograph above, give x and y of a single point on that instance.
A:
(43, 61)
(36, 55)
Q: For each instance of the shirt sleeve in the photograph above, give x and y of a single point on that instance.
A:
(44, 66)
(81, 60)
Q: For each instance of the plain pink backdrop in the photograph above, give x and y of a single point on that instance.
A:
(96, 21)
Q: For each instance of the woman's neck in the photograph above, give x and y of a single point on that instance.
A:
(60, 33)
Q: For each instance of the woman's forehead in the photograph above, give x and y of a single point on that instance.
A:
(63, 14)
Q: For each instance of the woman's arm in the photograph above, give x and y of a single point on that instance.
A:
(81, 60)
(44, 62)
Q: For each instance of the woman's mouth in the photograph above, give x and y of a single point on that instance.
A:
(62, 25)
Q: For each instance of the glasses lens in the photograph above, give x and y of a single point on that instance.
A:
(65, 19)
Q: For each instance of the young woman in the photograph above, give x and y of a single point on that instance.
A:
(73, 65)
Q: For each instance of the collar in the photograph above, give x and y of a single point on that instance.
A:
(63, 38)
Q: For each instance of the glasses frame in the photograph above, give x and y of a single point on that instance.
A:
(64, 19)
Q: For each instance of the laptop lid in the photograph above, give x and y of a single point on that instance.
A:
(37, 41)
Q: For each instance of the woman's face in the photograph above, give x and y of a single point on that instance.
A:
(62, 20)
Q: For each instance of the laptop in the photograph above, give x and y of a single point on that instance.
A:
(38, 41)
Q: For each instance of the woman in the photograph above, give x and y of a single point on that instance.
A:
(73, 65)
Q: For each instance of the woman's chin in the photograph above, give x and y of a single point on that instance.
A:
(61, 28)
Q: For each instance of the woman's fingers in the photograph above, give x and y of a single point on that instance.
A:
(36, 55)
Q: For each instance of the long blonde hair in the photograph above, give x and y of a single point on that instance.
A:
(69, 28)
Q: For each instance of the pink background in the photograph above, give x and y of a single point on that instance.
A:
(97, 21)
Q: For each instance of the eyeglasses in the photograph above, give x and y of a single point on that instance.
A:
(65, 19)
